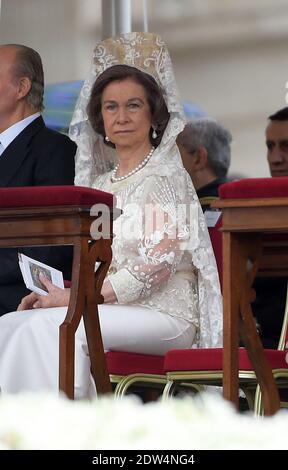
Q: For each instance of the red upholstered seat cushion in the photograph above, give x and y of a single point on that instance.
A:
(35, 196)
(193, 359)
(255, 188)
(211, 359)
(124, 363)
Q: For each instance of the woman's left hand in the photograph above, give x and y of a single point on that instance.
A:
(56, 297)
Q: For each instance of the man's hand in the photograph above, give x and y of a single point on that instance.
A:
(56, 297)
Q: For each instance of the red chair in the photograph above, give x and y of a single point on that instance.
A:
(204, 366)
(128, 369)
(142, 370)
(60, 215)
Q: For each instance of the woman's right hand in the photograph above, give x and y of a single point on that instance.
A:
(56, 297)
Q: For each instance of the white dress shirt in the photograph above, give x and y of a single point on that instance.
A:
(11, 133)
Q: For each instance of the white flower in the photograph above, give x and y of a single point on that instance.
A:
(208, 422)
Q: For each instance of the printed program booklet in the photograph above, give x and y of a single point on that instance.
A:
(31, 269)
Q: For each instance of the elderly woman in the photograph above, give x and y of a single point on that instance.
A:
(162, 290)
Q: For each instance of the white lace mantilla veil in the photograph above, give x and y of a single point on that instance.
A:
(148, 53)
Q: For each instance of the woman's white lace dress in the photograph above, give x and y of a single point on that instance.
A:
(163, 269)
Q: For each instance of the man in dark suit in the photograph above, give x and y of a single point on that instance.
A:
(30, 155)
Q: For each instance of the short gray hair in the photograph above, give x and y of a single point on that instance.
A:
(208, 133)
(29, 64)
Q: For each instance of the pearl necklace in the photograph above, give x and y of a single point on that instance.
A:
(115, 178)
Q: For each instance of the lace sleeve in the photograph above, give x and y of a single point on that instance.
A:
(159, 248)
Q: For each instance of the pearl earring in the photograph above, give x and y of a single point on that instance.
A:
(107, 138)
(154, 134)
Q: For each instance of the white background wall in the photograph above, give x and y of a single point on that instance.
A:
(230, 57)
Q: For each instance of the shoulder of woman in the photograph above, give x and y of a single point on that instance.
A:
(170, 186)
(169, 174)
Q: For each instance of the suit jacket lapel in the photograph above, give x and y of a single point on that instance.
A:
(12, 158)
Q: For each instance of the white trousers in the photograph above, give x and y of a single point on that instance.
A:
(29, 344)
